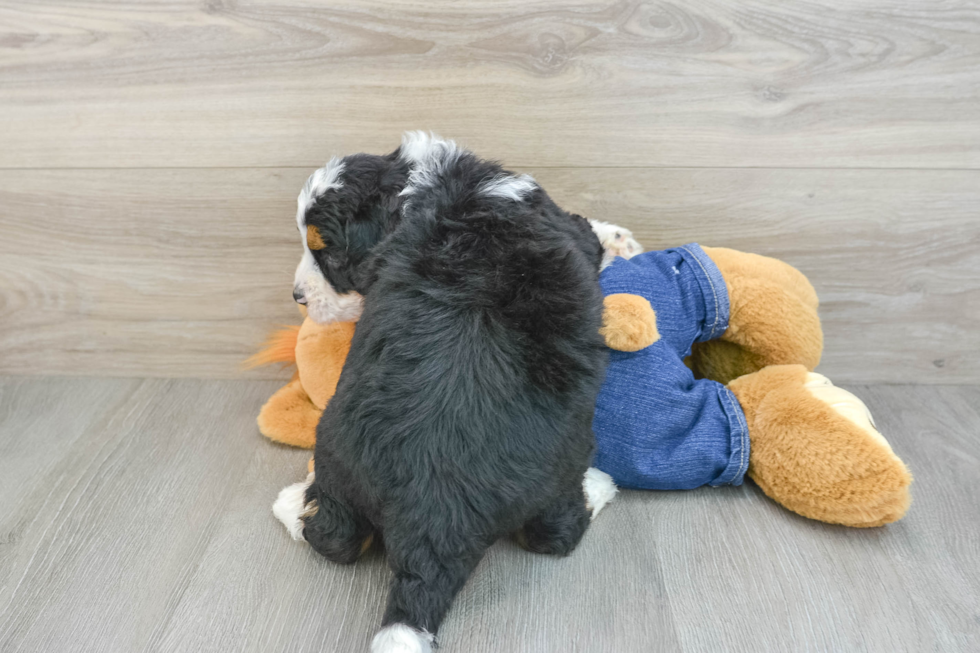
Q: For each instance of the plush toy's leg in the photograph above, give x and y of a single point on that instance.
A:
(815, 449)
(656, 427)
(290, 417)
(773, 318)
(629, 322)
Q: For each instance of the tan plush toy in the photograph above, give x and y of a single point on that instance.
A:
(809, 445)
(713, 359)
(318, 351)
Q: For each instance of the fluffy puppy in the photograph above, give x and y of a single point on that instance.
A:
(464, 411)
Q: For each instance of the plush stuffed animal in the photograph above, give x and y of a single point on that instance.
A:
(318, 351)
(684, 322)
(710, 378)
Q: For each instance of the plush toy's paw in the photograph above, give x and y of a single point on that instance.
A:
(615, 240)
(290, 417)
(628, 322)
(773, 318)
(815, 449)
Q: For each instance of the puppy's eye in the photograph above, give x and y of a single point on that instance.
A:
(313, 238)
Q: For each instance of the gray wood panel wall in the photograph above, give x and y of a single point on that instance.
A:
(150, 154)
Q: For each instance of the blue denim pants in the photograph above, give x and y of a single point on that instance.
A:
(656, 426)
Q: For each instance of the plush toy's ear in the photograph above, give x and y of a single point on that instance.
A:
(628, 322)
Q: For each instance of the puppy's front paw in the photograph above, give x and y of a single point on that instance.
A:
(616, 240)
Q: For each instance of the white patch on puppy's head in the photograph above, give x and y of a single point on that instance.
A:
(420, 146)
(509, 187)
(429, 155)
(319, 183)
(310, 286)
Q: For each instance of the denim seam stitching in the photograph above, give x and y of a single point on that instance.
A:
(714, 291)
(742, 467)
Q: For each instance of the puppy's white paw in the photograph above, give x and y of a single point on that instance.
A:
(599, 490)
(399, 638)
(615, 240)
(290, 507)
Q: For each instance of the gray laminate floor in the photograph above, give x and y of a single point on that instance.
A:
(134, 515)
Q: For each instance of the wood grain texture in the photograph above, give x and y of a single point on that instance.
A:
(142, 523)
(828, 588)
(181, 273)
(885, 83)
(97, 554)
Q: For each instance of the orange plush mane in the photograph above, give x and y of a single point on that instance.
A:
(279, 347)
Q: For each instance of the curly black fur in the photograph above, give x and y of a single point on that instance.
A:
(464, 411)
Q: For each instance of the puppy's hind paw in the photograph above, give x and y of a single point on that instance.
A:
(599, 490)
(290, 507)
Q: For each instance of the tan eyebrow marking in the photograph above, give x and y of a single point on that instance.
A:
(313, 238)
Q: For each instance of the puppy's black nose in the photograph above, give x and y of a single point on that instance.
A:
(298, 296)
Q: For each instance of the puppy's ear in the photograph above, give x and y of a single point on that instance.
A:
(587, 239)
(345, 224)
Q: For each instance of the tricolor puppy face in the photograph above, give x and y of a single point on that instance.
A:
(343, 211)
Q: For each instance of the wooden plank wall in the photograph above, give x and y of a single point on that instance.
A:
(150, 155)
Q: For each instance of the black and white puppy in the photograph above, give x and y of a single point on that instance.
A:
(464, 411)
